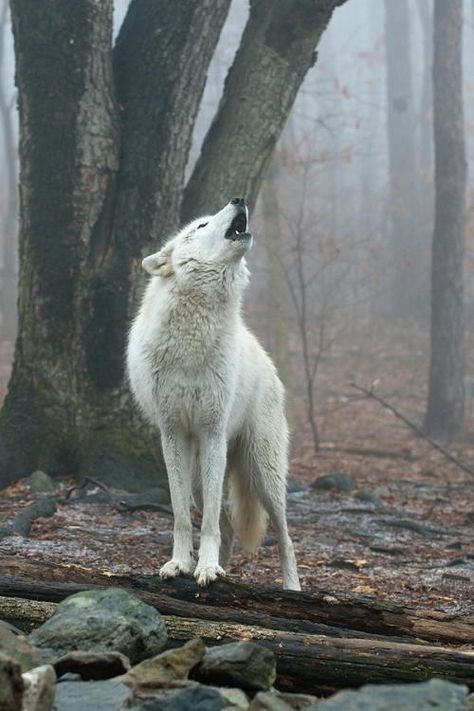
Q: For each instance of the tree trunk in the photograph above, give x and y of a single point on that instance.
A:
(445, 409)
(278, 311)
(8, 281)
(401, 144)
(277, 49)
(104, 144)
(226, 600)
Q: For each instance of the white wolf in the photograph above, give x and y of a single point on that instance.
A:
(202, 378)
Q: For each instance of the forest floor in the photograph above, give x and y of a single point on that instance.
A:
(403, 533)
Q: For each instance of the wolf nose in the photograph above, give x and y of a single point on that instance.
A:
(238, 201)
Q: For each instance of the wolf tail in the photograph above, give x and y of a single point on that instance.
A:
(249, 518)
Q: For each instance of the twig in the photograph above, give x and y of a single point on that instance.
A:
(450, 457)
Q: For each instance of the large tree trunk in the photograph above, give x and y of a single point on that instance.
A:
(277, 49)
(8, 281)
(104, 143)
(445, 409)
(401, 143)
(101, 178)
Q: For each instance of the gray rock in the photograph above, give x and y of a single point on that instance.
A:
(102, 621)
(40, 482)
(11, 684)
(17, 647)
(336, 481)
(368, 497)
(166, 668)
(298, 701)
(92, 665)
(243, 664)
(39, 687)
(196, 698)
(424, 696)
(107, 695)
(268, 701)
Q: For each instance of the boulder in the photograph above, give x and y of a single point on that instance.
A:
(39, 687)
(166, 668)
(423, 696)
(11, 684)
(107, 695)
(336, 481)
(243, 664)
(195, 698)
(40, 482)
(102, 621)
(17, 647)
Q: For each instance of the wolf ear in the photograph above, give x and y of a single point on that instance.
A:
(160, 264)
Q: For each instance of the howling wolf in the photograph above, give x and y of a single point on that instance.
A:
(203, 379)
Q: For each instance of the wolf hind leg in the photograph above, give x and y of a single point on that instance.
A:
(266, 454)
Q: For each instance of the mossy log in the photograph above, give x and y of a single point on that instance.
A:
(337, 615)
(313, 663)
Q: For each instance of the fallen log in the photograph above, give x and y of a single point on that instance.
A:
(339, 615)
(307, 663)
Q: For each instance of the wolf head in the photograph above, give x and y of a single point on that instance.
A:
(209, 242)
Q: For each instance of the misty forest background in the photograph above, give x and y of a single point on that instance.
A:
(344, 221)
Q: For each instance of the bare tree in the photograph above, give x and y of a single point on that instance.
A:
(105, 137)
(401, 135)
(8, 290)
(445, 408)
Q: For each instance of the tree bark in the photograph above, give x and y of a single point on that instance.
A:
(8, 290)
(277, 49)
(445, 408)
(402, 173)
(231, 601)
(104, 142)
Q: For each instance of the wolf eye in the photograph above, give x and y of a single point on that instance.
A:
(203, 225)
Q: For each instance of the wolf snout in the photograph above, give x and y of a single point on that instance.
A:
(238, 201)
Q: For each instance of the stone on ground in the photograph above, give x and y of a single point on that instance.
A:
(39, 687)
(166, 668)
(17, 647)
(11, 684)
(243, 664)
(424, 696)
(102, 621)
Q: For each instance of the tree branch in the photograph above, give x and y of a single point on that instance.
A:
(417, 430)
(277, 49)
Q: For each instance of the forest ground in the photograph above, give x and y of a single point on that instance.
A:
(404, 533)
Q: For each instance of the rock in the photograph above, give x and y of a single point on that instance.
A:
(368, 497)
(196, 698)
(11, 684)
(298, 701)
(243, 664)
(234, 698)
(166, 668)
(268, 701)
(107, 695)
(17, 647)
(39, 687)
(92, 665)
(424, 696)
(102, 621)
(337, 481)
(40, 482)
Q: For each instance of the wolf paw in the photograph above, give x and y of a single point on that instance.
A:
(207, 574)
(175, 567)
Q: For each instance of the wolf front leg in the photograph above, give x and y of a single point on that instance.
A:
(212, 448)
(178, 452)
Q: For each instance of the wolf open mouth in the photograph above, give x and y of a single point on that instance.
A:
(237, 227)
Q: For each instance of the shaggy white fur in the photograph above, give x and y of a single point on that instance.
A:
(202, 378)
